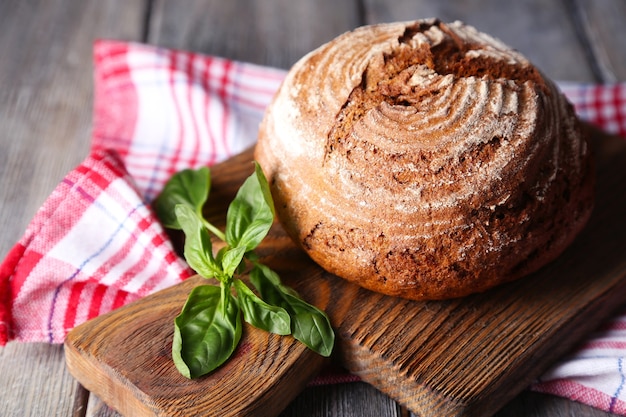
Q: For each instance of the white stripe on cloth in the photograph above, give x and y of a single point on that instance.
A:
(94, 246)
(191, 110)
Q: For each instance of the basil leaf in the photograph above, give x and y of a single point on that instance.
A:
(265, 187)
(309, 324)
(231, 260)
(198, 250)
(188, 187)
(268, 283)
(206, 332)
(251, 214)
(260, 314)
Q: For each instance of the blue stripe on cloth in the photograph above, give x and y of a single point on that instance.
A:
(618, 391)
(121, 226)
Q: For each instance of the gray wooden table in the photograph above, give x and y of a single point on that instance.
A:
(46, 93)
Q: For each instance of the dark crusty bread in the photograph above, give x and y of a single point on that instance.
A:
(425, 160)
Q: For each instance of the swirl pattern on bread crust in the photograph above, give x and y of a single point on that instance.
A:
(425, 160)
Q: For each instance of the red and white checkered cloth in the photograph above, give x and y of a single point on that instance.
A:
(95, 244)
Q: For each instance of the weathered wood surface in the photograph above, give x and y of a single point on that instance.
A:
(45, 114)
(46, 91)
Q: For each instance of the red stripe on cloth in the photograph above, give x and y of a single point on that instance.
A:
(259, 106)
(94, 178)
(169, 260)
(157, 241)
(605, 344)
(120, 255)
(614, 325)
(96, 301)
(120, 299)
(29, 261)
(171, 257)
(149, 171)
(223, 93)
(111, 61)
(605, 106)
(114, 262)
(333, 375)
(73, 303)
(270, 74)
(112, 164)
(597, 103)
(178, 145)
(144, 224)
(7, 269)
(191, 81)
(576, 391)
(619, 104)
(150, 284)
(206, 76)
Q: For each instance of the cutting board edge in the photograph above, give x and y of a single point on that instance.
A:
(117, 390)
(424, 399)
(135, 401)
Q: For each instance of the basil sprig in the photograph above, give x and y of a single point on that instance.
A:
(208, 328)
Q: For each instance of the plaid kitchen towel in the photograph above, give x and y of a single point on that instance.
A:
(95, 244)
(164, 110)
(92, 247)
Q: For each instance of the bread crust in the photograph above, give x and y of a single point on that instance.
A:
(425, 160)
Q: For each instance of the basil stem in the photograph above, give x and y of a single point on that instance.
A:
(198, 249)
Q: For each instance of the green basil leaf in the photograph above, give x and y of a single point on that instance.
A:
(198, 250)
(206, 332)
(260, 314)
(268, 283)
(251, 214)
(188, 187)
(265, 187)
(309, 324)
(231, 260)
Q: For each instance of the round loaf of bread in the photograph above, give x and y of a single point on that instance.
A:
(425, 160)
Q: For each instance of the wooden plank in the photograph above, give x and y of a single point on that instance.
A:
(363, 400)
(355, 399)
(45, 112)
(35, 382)
(275, 33)
(344, 400)
(97, 408)
(542, 31)
(46, 95)
(451, 357)
(603, 24)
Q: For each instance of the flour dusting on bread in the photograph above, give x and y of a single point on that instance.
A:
(425, 160)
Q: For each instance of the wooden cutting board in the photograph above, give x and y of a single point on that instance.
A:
(464, 357)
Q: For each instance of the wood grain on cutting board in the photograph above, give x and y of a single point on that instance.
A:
(463, 357)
